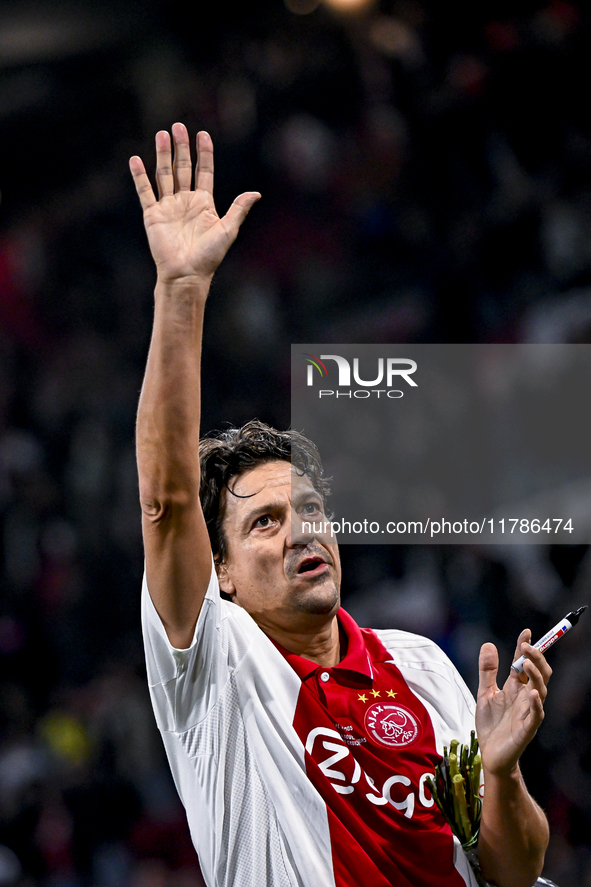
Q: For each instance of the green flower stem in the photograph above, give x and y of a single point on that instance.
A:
(475, 776)
(459, 784)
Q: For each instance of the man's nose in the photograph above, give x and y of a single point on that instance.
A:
(300, 531)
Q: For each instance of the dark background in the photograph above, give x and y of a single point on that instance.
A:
(426, 178)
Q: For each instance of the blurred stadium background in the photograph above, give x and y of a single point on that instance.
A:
(426, 177)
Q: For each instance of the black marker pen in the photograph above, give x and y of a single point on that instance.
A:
(553, 635)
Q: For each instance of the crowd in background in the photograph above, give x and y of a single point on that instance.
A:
(426, 177)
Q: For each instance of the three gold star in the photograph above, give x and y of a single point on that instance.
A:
(376, 693)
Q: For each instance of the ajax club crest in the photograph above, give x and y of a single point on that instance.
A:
(392, 725)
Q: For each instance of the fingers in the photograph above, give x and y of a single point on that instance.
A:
(239, 211)
(537, 673)
(142, 182)
(204, 171)
(172, 177)
(532, 716)
(179, 175)
(537, 708)
(525, 648)
(524, 637)
(164, 175)
(536, 668)
(537, 684)
(182, 167)
(169, 177)
(488, 665)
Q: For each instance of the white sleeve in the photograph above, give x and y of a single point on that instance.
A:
(186, 684)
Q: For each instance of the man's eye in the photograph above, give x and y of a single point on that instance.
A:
(311, 507)
(263, 521)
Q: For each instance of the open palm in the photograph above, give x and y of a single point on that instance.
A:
(187, 237)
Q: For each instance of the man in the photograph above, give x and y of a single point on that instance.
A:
(299, 743)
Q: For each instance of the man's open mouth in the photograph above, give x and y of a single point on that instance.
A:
(311, 565)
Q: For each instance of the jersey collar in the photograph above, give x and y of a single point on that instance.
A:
(356, 659)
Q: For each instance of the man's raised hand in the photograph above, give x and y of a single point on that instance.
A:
(187, 238)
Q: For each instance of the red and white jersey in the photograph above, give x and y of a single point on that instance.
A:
(296, 774)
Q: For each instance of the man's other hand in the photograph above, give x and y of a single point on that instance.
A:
(508, 719)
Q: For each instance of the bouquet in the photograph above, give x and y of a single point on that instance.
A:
(456, 791)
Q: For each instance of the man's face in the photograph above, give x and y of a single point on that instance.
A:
(285, 578)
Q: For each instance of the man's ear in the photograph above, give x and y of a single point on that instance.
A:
(226, 584)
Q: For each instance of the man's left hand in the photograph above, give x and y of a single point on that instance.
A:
(508, 719)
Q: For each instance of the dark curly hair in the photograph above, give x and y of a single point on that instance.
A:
(230, 452)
